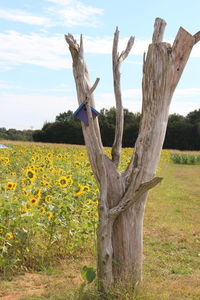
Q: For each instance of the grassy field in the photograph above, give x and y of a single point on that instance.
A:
(46, 243)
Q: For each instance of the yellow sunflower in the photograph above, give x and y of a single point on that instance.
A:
(45, 183)
(86, 188)
(49, 199)
(34, 201)
(5, 160)
(80, 190)
(42, 210)
(11, 185)
(64, 181)
(30, 173)
(27, 182)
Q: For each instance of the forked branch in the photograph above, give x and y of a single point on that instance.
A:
(117, 60)
(128, 201)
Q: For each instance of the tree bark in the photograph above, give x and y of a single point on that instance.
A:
(123, 195)
(161, 72)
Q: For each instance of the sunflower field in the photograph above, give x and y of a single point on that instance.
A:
(48, 204)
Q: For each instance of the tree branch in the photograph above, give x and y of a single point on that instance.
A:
(159, 28)
(128, 201)
(197, 37)
(84, 90)
(93, 87)
(126, 52)
(117, 59)
(81, 47)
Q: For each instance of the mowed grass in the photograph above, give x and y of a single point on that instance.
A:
(172, 235)
(171, 249)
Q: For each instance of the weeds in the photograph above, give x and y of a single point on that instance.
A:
(185, 159)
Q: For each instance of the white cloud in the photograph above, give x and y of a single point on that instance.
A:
(183, 101)
(182, 107)
(73, 13)
(190, 92)
(103, 45)
(51, 51)
(42, 50)
(17, 15)
(196, 51)
(62, 13)
(47, 50)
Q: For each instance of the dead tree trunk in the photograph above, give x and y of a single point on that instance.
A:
(123, 195)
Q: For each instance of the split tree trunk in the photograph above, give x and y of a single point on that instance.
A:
(123, 195)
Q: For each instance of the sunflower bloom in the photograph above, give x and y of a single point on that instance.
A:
(86, 188)
(30, 173)
(27, 182)
(24, 208)
(11, 186)
(49, 199)
(46, 183)
(64, 181)
(33, 201)
(42, 210)
(80, 191)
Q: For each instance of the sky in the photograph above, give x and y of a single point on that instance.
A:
(36, 80)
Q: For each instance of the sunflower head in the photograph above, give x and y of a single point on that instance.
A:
(10, 185)
(30, 173)
(64, 181)
(27, 182)
(33, 201)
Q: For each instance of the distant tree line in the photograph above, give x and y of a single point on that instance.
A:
(16, 135)
(183, 133)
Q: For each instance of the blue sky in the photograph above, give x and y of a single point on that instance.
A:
(36, 81)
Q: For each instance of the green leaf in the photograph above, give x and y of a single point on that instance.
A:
(88, 274)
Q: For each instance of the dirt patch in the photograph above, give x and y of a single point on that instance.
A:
(29, 284)
(62, 280)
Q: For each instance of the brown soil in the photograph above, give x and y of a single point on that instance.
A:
(29, 284)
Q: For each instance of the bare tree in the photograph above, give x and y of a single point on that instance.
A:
(123, 194)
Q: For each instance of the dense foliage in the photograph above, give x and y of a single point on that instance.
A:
(16, 135)
(183, 133)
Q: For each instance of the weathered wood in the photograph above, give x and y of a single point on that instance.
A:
(129, 199)
(117, 60)
(83, 87)
(197, 37)
(123, 195)
(159, 28)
